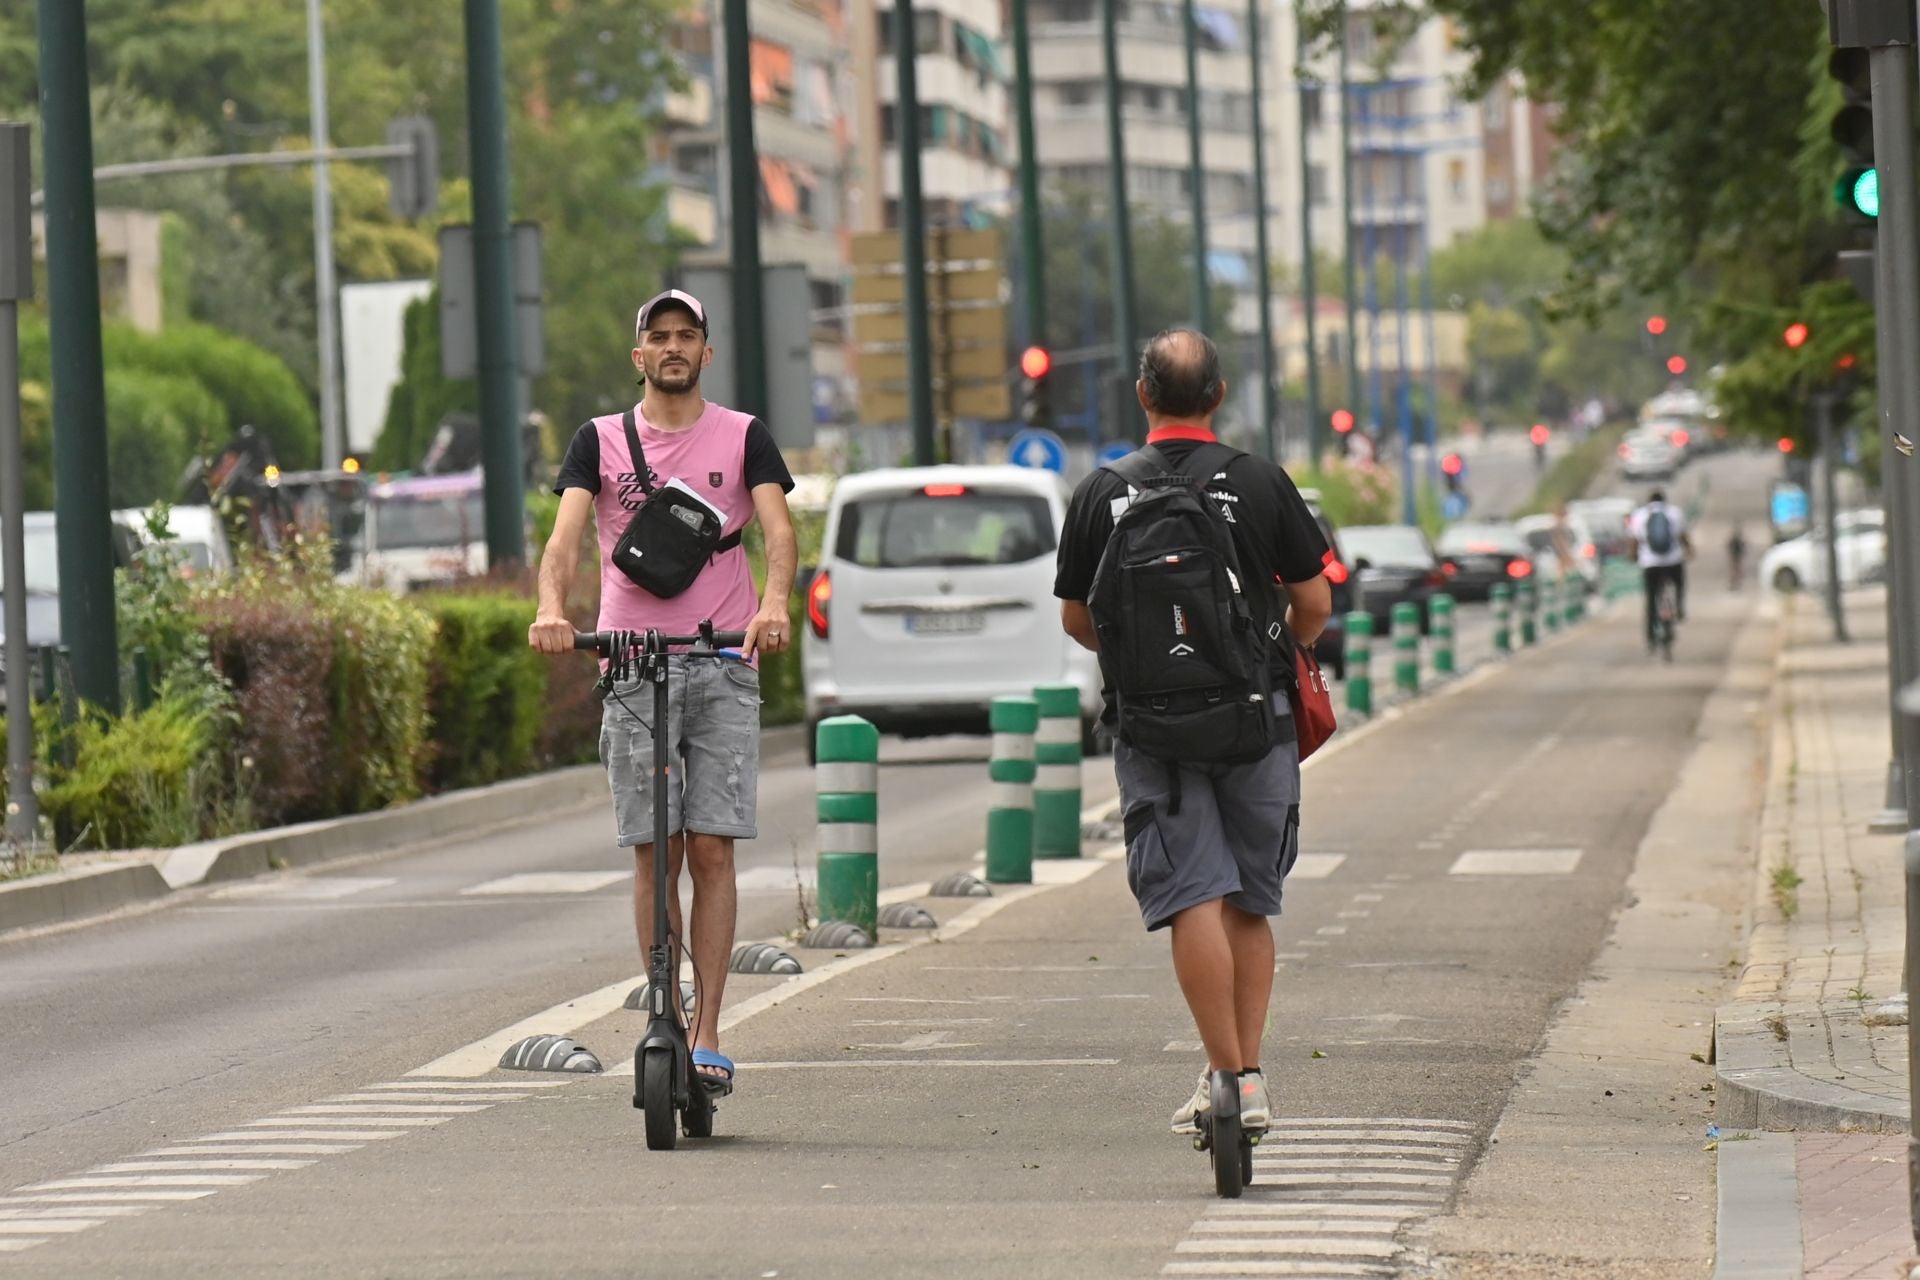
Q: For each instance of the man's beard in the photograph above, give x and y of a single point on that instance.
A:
(678, 380)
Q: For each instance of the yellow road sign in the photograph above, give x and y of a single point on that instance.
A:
(989, 400)
(986, 325)
(883, 248)
(962, 365)
(979, 285)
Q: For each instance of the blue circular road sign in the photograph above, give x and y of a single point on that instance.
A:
(1038, 448)
(1454, 506)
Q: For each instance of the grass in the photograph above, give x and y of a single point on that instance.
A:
(1785, 882)
(1859, 995)
(1574, 472)
(17, 862)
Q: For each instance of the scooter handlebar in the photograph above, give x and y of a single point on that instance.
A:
(602, 642)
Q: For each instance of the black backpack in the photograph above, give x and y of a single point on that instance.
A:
(1186, 659)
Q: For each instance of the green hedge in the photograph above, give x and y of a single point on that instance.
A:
(486, 690)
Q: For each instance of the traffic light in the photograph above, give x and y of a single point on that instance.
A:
(1539, 435)
(1656, 325)
(1035, 364)
(1676, 365)
(1343, 420)
(1857, 191)
(1451, 467)
(1796, 335)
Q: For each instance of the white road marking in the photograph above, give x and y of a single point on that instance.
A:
(1315, 866)
(1331, 930)
(358, 1122)
(1515, 862)
(1248, 1267)
(38, 1226)
(1369, 897)
(1352, 915)
(920, 1022)
(1239, 1208)
(76, 1211)
(532, 882)
(843, 1064)
(414, 1096)
(280, 1135)
(386, 1109)
(1347, 1178)
(1399, 1123)
(471, 1084)
(116, 1181)
(307, 888)
(1323, 1246)
(1258, 1226)
(17, 1246)
(1184, 1046)
(264, 1149)
(70, 1197)
(190, 1166)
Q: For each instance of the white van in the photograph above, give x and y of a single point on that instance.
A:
(421, 531)
(934, 596)
(199, 542)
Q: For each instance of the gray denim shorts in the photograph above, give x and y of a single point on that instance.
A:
(713, 724)
(1236, 836)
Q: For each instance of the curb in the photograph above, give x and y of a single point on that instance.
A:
(78, 893)
(1758, 1215)
(1759, 1089)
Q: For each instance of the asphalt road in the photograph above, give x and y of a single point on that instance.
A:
(215, 1088)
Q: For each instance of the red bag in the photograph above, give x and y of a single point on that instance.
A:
(1312, 700)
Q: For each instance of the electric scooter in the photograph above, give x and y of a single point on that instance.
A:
(664, 1081)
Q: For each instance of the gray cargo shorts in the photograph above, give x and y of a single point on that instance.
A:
(713, 724)
(1236, 836)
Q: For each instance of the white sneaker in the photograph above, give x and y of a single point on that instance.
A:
(1185, 1120)
(1256, 1108)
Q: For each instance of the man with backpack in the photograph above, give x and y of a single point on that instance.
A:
(1193, 570)
(1662, 546)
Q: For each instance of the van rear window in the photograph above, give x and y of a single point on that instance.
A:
(911, 530)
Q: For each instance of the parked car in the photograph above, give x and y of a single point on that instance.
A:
(1861, 547)
(41, 546)
(934, 595)
(1393, 563)
(1648, 455)
(1331, 648)
(1606, 518)
(1476, 557)
(197, 541)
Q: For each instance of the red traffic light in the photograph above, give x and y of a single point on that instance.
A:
(1845, 362)
(1676, 365)
(1035, 362)
(1451, 464)
(1342, 420)
(1539, 434)
(1656, 325)
(1786, 445)
(1796, 335)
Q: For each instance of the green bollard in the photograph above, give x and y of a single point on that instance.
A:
(1573, 597)
(1056, 782)
(1359, 679)
(1440, 609)
(1010, 815)
(1502, 618)
(1529, 609)
(846, 780)
(1550, 610)
(1406, 647)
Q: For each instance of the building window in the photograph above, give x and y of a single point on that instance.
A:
(1310, 105)
(1317, 185)
(926, 28)
(1076, 93)
(1497, 191)
(1360, 37)
(1494, 109)
(1457, 179)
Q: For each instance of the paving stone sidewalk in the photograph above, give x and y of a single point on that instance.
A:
(1802, 1045)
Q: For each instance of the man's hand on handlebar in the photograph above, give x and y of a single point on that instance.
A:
(551, 633)
(769, 632)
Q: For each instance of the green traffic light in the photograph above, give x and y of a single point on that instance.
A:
(1866, 193)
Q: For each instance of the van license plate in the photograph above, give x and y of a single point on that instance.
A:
(945, 624)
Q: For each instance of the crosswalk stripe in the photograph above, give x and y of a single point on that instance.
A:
(54, 1226)
(1421, 1164)
(481, 1085)
(386, 1108)
(1515, 862)
(1400, 1123)
(162, 1166)
(1236, 1208)
(384, 1122)
(17, 1246)
(1273, 1267)
(148, 1180)
(1315, 866)
(75, 1211)
(1258, 1226)
(488, 1098)
(532, 882)
(1318, 1246)
(74, 1197)
(261, 1149)
(281, 1134)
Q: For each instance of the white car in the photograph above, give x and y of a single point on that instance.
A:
(1648, 455)
(1861, 546)
(1538, 531)
(934, 596)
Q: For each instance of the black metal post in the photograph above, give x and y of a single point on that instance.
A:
(913, 236)
(1263, 266)
(743, 220)
(1197, 174)
(1124, 331)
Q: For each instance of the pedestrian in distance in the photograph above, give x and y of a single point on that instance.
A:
(1736, 557)
(1661, 547)
(729, 459)
(1194, 648)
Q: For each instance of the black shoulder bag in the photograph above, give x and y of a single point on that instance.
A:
(671, 537)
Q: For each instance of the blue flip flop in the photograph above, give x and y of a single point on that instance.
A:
(718, 1086)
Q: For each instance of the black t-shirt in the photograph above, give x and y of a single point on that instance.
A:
(1274, 534)
(580, 468)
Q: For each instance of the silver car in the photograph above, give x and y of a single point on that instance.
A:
(1648, 455)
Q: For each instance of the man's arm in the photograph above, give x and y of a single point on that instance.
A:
(768, 632)
(1309, 605)
(552, 631)
(1077, 620)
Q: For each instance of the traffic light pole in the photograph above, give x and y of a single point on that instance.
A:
(1123, 322)
(502, 470)
(1197, 174)
(82, 523)
(1033, 266)
(1309, 293)
(743, 219)
(913, 235)
(1346, 222)
(1263, 266)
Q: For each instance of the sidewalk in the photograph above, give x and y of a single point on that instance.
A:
(1804, 1044)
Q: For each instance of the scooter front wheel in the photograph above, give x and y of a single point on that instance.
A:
(656, 1098)
(698, 1117)
(1225, 1147)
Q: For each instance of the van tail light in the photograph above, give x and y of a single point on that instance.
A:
(1519, 568)
(944, 490)
(819, 597)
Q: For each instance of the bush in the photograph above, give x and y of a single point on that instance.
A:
(252, 385)
(1574, 472)
(156, 422)
(1352, 493)
(486, 689)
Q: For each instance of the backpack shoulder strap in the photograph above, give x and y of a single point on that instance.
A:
(638, 454)
(1143, 465)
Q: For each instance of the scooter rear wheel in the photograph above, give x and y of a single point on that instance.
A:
(656, 1098)
(698, 1117)
(1225, 1147)
(1246, 1159)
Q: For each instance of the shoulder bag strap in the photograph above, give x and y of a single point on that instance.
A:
(634, 450)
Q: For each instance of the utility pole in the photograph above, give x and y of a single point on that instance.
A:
(493, 288)
(333, 443)
(743, 219)
(81, 518)
(1309, 293)
(913, 235)
(1346, 220)
(1033, 265)
(1124, 331)
(1197, 174)
(1269, 408)
(16, 283)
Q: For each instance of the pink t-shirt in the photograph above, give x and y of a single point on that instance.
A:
(721, 457)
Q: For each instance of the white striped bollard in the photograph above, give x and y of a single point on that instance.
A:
(1056, 780)
(847, 783)
(1010, 813)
